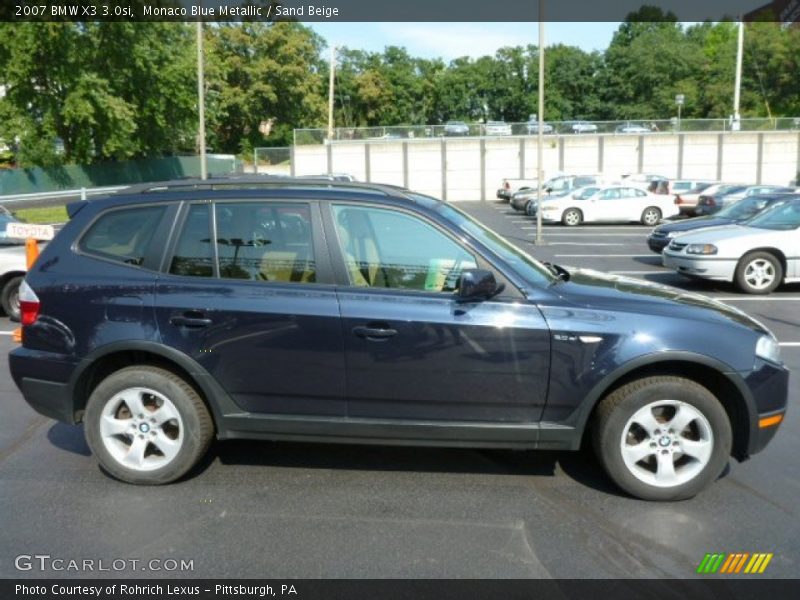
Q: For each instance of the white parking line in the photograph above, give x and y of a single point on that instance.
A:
(605, 255)
(587, 235)
(758, 298)
(642, 272)
(789, 344)
(576, 243)
(6, 333)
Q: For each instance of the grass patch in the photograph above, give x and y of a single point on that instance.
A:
(44, 214)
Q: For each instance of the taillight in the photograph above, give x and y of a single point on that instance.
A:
(28, 304)
(506, 185)
(678, 200)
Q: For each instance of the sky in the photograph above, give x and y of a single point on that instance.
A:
(452, 40)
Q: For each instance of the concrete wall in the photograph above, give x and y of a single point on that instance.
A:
(473, 168)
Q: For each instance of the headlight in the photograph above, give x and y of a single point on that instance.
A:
(768, 348)
(701, 249)
(672, 234)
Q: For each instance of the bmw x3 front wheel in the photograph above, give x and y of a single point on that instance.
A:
(662, 438)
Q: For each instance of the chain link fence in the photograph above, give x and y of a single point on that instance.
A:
(273, 161)
(499, 129)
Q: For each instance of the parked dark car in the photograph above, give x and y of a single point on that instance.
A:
(710, 204)
(361, 313)
(738, 212)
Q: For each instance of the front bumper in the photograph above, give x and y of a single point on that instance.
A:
(768, 386)
(657, 244)
(717, 269)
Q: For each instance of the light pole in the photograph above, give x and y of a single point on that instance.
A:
(330, 93)
(735, 125)
(679, 100)
(201, 104)
(540, 132)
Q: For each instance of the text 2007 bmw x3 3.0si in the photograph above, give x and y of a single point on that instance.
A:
(315, 310)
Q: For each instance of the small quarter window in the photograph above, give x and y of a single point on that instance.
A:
(123, 235)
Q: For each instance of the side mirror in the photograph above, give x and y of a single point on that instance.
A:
(476, 285)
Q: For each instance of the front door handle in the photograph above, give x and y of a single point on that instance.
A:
(191, 319)
(374, 334)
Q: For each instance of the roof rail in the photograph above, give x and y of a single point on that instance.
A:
(266, 181)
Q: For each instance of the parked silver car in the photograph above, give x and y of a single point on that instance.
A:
(758, 256)
(497, 128)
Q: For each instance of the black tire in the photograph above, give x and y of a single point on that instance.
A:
(198, 427)
(651, 216)
(572, 217)
(770, 261)
(9, 297)
(612, 417)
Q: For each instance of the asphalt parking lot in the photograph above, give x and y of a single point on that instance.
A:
(283, 510)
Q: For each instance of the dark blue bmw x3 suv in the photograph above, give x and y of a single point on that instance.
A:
(314, 310)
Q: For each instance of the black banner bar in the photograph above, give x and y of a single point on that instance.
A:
(785, 11)
(712, 588)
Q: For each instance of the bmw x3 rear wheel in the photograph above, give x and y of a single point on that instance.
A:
(147, 425)
(662, 438)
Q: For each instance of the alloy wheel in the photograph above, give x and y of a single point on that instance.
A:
(759, 274)
(141, 429)
(667, 443)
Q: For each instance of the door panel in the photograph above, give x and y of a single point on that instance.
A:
(273, 349)
(487, 361)
(251, 308)
(412, 351)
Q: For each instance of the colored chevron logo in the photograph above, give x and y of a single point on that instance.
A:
(736, 563)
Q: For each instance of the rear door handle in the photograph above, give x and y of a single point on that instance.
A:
(191, 319)
(374, 333)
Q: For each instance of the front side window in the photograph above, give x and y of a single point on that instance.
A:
(123, 235)
(389, 249)
(265, 241)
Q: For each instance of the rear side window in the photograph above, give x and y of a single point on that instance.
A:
(265, 242)
(193, 255)
(123, 235)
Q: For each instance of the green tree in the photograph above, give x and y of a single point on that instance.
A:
(258, 73)
(106, 90)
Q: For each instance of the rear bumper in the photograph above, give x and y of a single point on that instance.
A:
(51, 397)
(504, 194)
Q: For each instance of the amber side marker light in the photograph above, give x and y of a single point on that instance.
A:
(16, 335)
(770, 421)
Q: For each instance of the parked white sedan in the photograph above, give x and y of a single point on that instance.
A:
(620, 203)
(758, 256)
(12, 270)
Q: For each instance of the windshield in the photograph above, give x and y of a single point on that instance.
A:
(783, 217)
(749, 207)
(519, 260)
